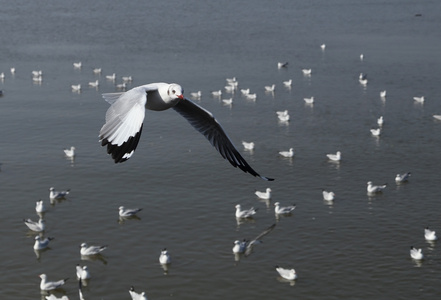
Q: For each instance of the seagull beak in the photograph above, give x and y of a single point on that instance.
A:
(181, 96)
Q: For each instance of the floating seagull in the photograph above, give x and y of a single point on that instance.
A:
(323, 46)
(91, 250)
(309, 100)
(94, 83)
(282, 65)
(287, 83)
(251, 96)
(361, 57)
(127, 78)
(270, 88)
(77, 65)
(38, 226)
(419, 99)
(37, 79)
(111, 77)
(40, 207)
(245, 246)
(283, 210)
(380, 121)
(430, 235)
(245, 91)
(400, 178)
(12, 69)
(70, 152)
(128, 212)
(137, 296)
(246, 213)
(2, 75)
(53, 194)
(289, 153)
(248, 146)
(124, 121)
(328, 196)
(97, 70)
(307, 72)
(214, 93)
(231, 80)
(227, 101)
(76, 87)
(334, 157)
(41, 244)
(230, 89)
(283, 118)
(37, 73)
(82, 272)
(289, 274)
(282, 113)
(164, 258)
(438, 117)
(383, 94)
(197, 94)
(415, 253)
(264, 195)
(375, 131)
(372, 189)
(121, 86)
(50, 285)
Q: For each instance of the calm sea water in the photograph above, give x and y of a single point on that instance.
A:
(354, 248)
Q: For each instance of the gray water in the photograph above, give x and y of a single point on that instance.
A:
(354, 248)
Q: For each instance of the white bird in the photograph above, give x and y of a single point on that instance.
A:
(50, 285)
(53, 297)
(283, 210)
(402, 177)
(76, 87)
(323, 46)
(125, 117)
(289, 153)
(230, 89)
(438, 117)
(38, 226)
(363, 81)
(37, 73)
(77, 65)
(283, 118)
(41, 244)
(120, 86)
(383, 94)
(415, 253)
(251, 96)
(231, 80)
(137, 296)
(97, 70)
(287, 83)
(246, 213)
(128, 212)
(40, 207)
(245, 91)
(309, 100)
(127, 78)
(282, 65)
(111, 77)
(82, 272)
(245, 246)
(328, 196)
(270, 88)
(430, 235)
(361, 57)
(216, 93)
(91, 250)
(375, 131)
(197, 94)
(227, 101)
(53, 194)
(2, 75)
(289, 274)
(282, 113)
(419, 99)
(372, 189)
(380, 121)
(70, 152)
(94, 83)
(164, 257)
(264, 195)
(12, 70)
(334, 157)
(248, 145)
(307, 72)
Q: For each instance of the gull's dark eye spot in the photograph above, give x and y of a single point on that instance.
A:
(173, 91)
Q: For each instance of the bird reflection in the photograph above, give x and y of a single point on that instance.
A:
(121, 220)
(291, 282)
(96, 257)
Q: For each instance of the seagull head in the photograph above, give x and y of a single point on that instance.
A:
(175, 90)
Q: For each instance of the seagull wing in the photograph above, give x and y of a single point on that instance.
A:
(204, 122)
(250, 245)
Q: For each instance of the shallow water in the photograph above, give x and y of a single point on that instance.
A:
(356, 247)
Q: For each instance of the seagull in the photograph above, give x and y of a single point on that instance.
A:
(12, 70)
(383, 94)
(438, 117)
(214, 93)
(127, 78)
(35, 226)
(37, 73)
(419, 99)
(2, 75)
(53, 297)
(37, 79)
(137, 296)
(415, 253)
(128, 212)
(251, 96)
(227, 101)
(380, 121)
(328, 196)
(94, 83)
(41, 244)
(282, 65)
(430, 235)
(309, 100)
(50, 285)
(111, 77)
(120, 86)
(307, 72)
(230, 89)
(164, 258)
(376, 131)
(282, 113)
(124, 122)
(53, 194)
(246, 213)
(289, 153)
(264, 195)
(82, 272)
(246, 246)
(245, 91)
(70, 152)
(231, 80)
(77, 65)
(287, 83)
(323, 46)
(91, 250)
(197, 94)
(373, 189)
(248, 145)
(283, 210)
(270, 88)
(40, 207)
(289, 274)
(283, 118)
(361, 57)
(97, 70)
(76, 88)
(402, 177)
(334, 157)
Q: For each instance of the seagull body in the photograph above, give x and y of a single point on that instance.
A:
(307, 72)
(283, 118)
(40, 207)
(53, 194)
(376, 131)
(137, 296)
(323, 46)
(37, 79)
(128, 212)
(419, 99)
(121, 86)
(12, 70)
(270, 88)
(264, 195)
(280, 210)
(35, 226)
(248, 145)
(252, 96)
(41, 244)
(438, 117)
(328, 196)
(70, 152)
(94, 83)
(164, 258)
(246, 246)
(383, 94)
(127, 78)
(287, 83)
(289, 274)
(309, 100)
(402, 177)
(37, 73)
(430, 235)
(373, 189)
(50, 285)
(197, 94)
(77, 65)
(83, 272)
(111, 77)
(246, 213)
(289, 153)
(282, 65)
(380, 121)
(76, 87)
(415, 253)
(97, 71)
(230, 88)
(216, 93)
(229, 80)
(227, 101)
(245, 91)
(334, 157)
(282, 113)
(361, 57)
(91, 250)
(125, 117)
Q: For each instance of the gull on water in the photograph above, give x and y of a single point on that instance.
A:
(120, 86)
(375, 131)
(289, 153)
(91, 250)
(128, 212)
(283, 118)
(245, 91)
(283, 210)
(164, 257)
(70, 152)
(94, 83)
(438, 117)
(53, 194)
(282, 65)
(40, 207)
(231, 80)
(40, 243)
(127, 78)
(323, 46)
(12, 69)
(227, 101)
(307, 72)
(328, 196)
(309, 100)
(373, 189)
(245, 246)
(111, 77)
(430, 235)
(287, 83)
(38, 226)
(37, 73)
(264, 195)
(400, 178)
(246, 213)
(361, 57)
(380, 121)
(383, 94)
(196, 95)
(76, 87)
(216, 93)
(82, 272)
(334, 157)
(282, 113)
(248, 145)
(419, 99)
(50, 285)
(97, 70)
(415, 253)
(77, 65)
(2, 75)
(270, 88)
(137, 296)
(124, 122)
(288, 274)
(230, 89)
(251, 96)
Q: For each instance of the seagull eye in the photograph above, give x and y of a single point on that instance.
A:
(173, 91)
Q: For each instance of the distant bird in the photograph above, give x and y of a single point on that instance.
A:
(323, 46)
(246, 246)
(283, 118)
(373, 189)
(37, 79)
(288, 274)
(216, 93)
(334, 157)
(37, 73)
(282, 112)
(419, 99)
(248, 145)
(383, 94)
(77, 65)
(53, 194)
(137, 296)
(245, 91)
(415, 253)
(120, 86)
(50, 285)
(430, 235)
(438, 117)
(94, 83)
(328, 196)
(230, 89)
(361, 57)
(380, 121)
(375, 131)
(70, 152)
(38, 226)
(251, 96)
(227, 101)
(127, 78)
(97, 70)
(197, 94)
(246, 213)
(287, 83)
(400, 178)
(307, 72)
(91, 250)
(12, 70)
(2, 75)
(128, 212)
(309, 100)
(270, 88)
(40, 207)
(231, 80)
(76, 87)
(264, 195)
(111, 77)
(282, 65)
(288, 154)
(82, 272)
(40, 243)
(164, 257)
(283, 210)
